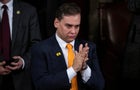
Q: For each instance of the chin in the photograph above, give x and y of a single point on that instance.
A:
(70, 40)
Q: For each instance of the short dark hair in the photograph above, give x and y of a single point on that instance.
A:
(67, 9)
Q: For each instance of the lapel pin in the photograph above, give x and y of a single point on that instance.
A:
(18, 12)
(58, 54)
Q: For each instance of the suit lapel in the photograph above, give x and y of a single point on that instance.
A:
(58, 54)
(16, 16)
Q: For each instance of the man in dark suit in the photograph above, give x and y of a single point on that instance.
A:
(49, 68)
(24, 32)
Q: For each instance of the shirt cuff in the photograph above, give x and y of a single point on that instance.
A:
(86, 74)
(23, 65)
(71, 73)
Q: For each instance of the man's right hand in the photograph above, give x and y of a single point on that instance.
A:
(3, 70)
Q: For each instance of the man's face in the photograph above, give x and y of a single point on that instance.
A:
(68, 27)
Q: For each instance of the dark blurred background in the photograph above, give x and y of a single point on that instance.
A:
(114, 25)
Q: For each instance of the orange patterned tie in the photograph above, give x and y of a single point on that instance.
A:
(74, 85)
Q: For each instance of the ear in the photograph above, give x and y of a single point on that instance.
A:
(56, 23)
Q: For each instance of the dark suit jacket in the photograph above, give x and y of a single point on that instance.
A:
(49, 70)
(25, 32)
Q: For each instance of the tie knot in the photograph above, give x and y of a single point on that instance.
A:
(4, 7)
(69, 46)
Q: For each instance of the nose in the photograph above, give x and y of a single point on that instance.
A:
(73, 29)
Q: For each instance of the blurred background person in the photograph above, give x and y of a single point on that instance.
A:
(22, 32)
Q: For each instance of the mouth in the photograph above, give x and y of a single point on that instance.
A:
(72, 37)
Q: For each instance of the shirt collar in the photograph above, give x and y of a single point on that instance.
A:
(9, 4)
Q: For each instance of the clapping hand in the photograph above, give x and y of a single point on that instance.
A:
(81, 57)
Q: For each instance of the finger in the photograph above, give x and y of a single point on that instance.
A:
(12, 67)
(86, 47)
(80, 48)
(86, 44)
(14, 63)
(2, 63)
(16, 57)
(86, 59)
(6, 71)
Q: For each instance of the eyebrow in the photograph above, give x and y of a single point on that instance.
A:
(67, 24)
